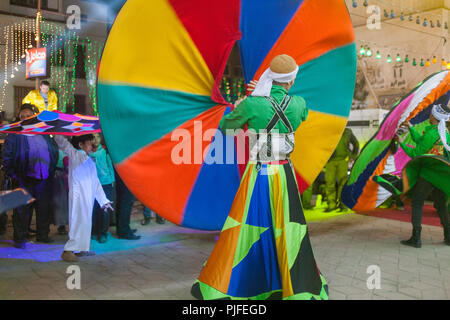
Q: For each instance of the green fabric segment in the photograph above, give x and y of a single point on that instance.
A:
(230, 223)
(332, 94)
(371, 151)
(128, 127)
(295, 232)
(434, 169)
(257, 113)
(248, 236)
(424, 142)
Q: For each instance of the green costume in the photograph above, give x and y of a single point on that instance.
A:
(264, 251)
(336, 169)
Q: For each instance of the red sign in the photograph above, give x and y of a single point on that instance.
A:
(36, 63)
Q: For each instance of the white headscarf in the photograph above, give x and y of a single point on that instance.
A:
(442, 116)
(265, 83)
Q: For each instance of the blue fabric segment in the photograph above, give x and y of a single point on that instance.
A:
(262, 23)
(259, 214)
(48, 116)
(224, 178)
(351, 193)
(258, 272)
(425, 113)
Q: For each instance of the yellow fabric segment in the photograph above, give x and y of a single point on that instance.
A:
(325, 130)
(148, 46)
(34, 97)
(280, 241)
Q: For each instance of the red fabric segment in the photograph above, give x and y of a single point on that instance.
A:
(301, 183)
(214, 27)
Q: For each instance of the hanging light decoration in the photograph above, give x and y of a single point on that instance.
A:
(411, 18)
(402, 16)
(369, 52)
(444, 63)
(378, 56)
(355, 4)
(386, 14)
(398, 59)
(362, 51)
(438, 24)
(392, 14)
(366, 3)
(428, 63)
(389, 59)
(418, 20)
(407, 59)
(422, 63)
(425, 23)
(414, 62)
(434, 60)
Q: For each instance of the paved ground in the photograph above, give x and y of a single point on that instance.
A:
(164, 264)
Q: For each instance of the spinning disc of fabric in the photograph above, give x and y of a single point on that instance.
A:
(54, 122)
(361, 193)
(160, 104)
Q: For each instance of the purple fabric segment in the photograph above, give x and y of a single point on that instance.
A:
(68, 117)
(38, 158)
(388, 129)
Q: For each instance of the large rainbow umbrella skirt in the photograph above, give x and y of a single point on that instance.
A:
(159, 84)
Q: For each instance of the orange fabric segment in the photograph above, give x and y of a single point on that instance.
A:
(217, 271)
(155, 163)
(368, 198)
(435, 94)
(307, 40)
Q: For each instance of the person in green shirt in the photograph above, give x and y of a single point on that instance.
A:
(264, 251)
(432, 142)
(336, 170)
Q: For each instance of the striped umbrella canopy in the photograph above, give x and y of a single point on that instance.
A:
(160, 103)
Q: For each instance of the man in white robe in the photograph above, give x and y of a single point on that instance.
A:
(84, 189)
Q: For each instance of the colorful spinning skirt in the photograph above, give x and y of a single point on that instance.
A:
(263, 251)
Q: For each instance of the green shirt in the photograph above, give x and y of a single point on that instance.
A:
(424, 143)
(257, 112)
(343, 148)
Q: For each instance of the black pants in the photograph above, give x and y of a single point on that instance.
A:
(40, 190)
(421, 191)
(124, 204)
(100, 219)
(3, 221)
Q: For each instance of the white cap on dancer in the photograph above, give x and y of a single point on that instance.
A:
(442, 114)
(283, 69)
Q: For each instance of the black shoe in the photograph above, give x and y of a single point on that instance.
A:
(447, 236)
(160, 220)
(415, 240)
(20, 245)
(31, 231)
(45, 240)
(130, 236)
(145, 221)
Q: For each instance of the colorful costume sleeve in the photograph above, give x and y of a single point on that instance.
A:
(424, 144)
(236, 119)
(415, 135)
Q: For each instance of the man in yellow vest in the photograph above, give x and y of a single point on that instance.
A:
(43, 99)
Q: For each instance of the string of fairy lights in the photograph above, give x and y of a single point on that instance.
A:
(66, 51)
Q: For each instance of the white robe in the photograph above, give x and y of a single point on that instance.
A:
(84, 189)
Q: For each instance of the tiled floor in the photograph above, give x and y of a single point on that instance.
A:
(166, 261)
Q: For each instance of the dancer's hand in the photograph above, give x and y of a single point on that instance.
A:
(107, 207)
(252, 85)
(398, 138)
